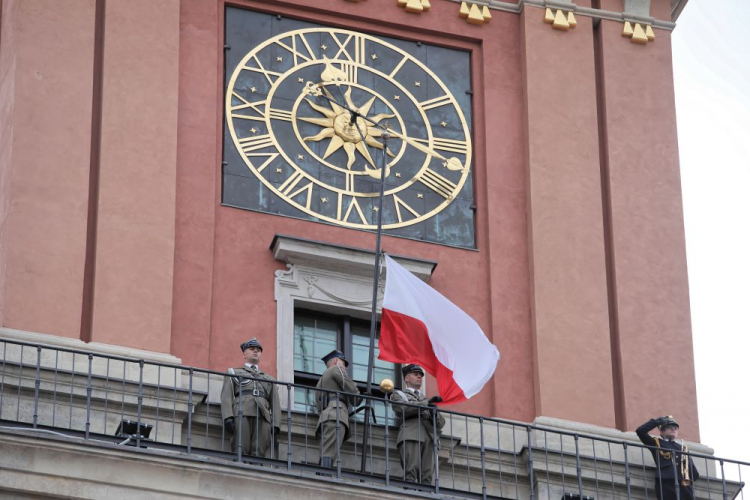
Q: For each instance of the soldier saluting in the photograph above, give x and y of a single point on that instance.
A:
(333, 423)
(259, 404)
(670, 459)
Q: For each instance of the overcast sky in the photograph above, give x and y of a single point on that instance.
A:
(711, 47)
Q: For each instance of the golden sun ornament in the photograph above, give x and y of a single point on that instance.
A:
(338, 127)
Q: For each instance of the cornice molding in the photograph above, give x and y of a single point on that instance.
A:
(355, 261)
(677, 6)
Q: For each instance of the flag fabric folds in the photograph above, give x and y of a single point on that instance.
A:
(421, 326)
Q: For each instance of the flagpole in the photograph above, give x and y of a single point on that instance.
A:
(374, 313)
(313, 89)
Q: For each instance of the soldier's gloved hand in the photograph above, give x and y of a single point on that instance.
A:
(229, 425)
(434, 399)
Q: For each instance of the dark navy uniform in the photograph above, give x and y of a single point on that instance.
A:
(667, 458)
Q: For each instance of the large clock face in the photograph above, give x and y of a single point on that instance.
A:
(288, 108)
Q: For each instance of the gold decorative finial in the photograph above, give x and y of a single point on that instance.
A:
(474, 14)
(638, 33)
(386, 385)
(560, 19)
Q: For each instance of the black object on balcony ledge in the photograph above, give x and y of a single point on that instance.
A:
(132, 431)
(575, 496)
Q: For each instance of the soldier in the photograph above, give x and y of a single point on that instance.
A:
(260, 403)
(416, 430)
(669, 460)
(333, 424)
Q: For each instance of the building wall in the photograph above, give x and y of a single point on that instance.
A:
(580, 261)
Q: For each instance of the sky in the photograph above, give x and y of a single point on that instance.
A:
(711, 56)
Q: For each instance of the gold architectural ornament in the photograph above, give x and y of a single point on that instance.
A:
(560, 19)
(474, 14)
(386, 385)
(415, 6)
(641, 34)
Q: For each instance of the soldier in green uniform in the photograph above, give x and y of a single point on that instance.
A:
(333, 423)
(416, 429)
(260, 403)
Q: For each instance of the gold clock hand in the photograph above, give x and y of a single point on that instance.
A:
(449, 163)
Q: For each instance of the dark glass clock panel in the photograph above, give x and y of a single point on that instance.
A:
(298, 154)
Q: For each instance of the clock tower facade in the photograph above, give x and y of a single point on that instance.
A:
(179, 176)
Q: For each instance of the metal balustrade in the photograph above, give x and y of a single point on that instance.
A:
(76, 394)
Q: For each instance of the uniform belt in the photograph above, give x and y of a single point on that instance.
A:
(253, 392)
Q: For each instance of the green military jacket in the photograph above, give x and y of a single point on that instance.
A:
(415, 423)
(259, 396)
(335, 379)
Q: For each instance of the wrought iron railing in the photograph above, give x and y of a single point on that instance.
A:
(94, 397)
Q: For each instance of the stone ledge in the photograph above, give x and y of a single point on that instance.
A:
(92, 347)
(38, 467)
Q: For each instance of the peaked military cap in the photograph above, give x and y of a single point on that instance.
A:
(411, 368)
(668, 421)
(334, 354)
(253, 342)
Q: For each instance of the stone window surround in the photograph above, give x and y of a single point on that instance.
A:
(328, 278)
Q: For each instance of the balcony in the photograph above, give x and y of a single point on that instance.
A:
(60, 409)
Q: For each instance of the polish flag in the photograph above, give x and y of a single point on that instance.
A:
(419, 325)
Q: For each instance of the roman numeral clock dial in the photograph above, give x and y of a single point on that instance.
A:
(288, 120)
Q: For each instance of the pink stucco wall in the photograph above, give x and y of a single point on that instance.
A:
(46, 100)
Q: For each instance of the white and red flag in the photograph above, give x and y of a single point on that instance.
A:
(421, 326)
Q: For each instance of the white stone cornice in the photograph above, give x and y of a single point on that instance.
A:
(350, 260)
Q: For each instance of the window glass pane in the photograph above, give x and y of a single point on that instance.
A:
(313, 339)
(359, 372)
(304, 400)
(361, 353)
